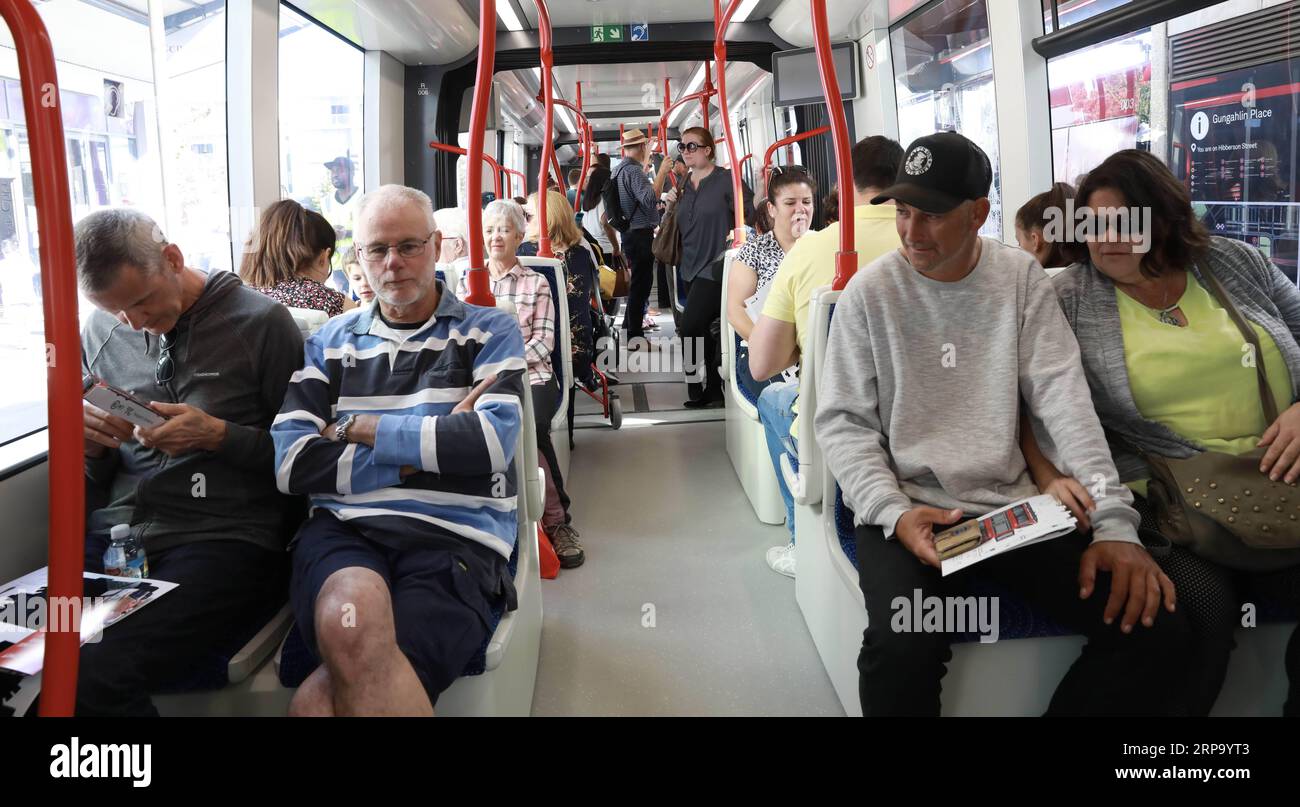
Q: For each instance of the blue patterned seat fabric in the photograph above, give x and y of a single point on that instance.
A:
(297, 661)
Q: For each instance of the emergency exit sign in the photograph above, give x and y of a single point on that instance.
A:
(606, 33)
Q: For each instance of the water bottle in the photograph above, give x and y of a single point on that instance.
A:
(125, 556)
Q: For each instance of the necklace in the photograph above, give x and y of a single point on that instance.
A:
(1165, 313)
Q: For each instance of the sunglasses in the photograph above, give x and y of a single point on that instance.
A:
(166, 369)
(778, 170)
(690, 147)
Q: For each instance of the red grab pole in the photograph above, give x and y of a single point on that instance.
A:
(846, 260)
(785, 141)
(720, 22)
(480, 293)
(663, 122)
(487, 158)
(44, 110)
(584, 138)
(708, 85)
(547, 57)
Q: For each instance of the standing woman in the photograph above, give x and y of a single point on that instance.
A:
(288, 259)
(705, 219)
(789, 206)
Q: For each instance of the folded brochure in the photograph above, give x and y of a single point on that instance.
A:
(1019, 524)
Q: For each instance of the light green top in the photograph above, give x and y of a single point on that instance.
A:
(1199, 381)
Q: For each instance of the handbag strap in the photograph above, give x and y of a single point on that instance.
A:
(1265, 392)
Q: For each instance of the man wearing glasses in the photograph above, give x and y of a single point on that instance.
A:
(214, 357)
(401, 427)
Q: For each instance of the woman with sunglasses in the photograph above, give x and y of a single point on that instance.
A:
(789, 206)
(288, 259)
(705, 218)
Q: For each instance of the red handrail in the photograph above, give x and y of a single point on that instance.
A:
(785, 141)
(701, 95)
(708, 80)
(584, 126)
(480, 292)
(43, 109)
(487, 158)
(546, 55)
(720, 22)
(846, 260)
(522, 179)
(663, 122)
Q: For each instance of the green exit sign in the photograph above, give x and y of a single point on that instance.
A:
(606, 33)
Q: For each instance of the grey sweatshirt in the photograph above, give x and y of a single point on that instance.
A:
(236, 349)
(919, 399)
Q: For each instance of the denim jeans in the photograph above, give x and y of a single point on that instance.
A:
(775, 411)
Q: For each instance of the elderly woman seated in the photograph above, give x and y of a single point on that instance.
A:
(503, 232)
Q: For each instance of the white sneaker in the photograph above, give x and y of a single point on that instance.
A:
(781, 559)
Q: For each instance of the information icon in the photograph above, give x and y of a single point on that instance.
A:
(1200, 125)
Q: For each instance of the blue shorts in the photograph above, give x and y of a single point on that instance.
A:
(441, 610)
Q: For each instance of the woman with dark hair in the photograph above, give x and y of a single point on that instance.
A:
(593, 218)
(287, 258)
(1172, 376)
(789, 206)
(1037, 213)
(705, 219)
(831, 206)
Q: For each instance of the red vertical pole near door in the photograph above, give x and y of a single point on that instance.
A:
(846, 260)
(477, 280)
(720, 22)
(547, 57)
(44, 112)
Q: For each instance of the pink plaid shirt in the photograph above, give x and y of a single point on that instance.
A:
(531, 295)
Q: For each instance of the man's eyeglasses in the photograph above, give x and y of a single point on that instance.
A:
(690, 147)
(413, 248)
(166, 369)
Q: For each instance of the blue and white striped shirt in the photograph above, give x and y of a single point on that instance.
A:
(411, 379)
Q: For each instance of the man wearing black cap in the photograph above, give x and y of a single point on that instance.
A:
(931, 351)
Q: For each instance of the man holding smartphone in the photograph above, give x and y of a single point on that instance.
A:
(214, 358)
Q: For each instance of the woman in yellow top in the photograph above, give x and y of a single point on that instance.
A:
(1170, 375)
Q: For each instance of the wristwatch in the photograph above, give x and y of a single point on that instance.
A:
(341, 428)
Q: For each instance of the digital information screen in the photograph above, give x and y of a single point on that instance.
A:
(1233, 144)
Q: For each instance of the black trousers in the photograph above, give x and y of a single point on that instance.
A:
(546, 397)
(703, 309)
(226, 591)
(661, 283)
(636, 248)
(1141, 673)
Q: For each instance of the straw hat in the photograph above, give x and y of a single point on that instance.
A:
(634, 137)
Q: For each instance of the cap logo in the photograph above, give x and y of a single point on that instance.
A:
(918, 162)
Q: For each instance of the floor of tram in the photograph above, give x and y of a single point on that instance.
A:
(675, 611)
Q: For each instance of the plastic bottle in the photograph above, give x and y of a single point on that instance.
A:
(125, 556)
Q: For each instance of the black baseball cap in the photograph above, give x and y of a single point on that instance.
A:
(939, 172)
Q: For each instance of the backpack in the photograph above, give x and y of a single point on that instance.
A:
(609, 195)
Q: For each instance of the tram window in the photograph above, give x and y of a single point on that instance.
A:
(943, 72)
(192, 120)
(1070, 12)
(322, 84)
(1234, 150)
(112, 160)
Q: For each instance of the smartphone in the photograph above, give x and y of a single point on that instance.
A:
(120, 403)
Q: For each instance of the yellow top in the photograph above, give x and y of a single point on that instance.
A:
(810, 264)
(1200, 381)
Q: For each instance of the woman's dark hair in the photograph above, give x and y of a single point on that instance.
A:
(763, 220)
(1033, 214)
(785, 177)
(595, 184)
(706, 138)
(1177, 237)
(287, 239)
(831, 206)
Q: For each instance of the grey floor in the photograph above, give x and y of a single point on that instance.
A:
(675, 611)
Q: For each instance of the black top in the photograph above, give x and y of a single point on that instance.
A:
(705, 219)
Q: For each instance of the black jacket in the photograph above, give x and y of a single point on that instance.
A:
(236, 349)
